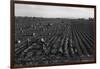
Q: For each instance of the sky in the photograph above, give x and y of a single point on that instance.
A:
(53, 11)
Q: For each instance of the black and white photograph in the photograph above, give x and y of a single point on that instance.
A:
(53, 35)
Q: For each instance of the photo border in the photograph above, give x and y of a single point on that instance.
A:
(12, 29)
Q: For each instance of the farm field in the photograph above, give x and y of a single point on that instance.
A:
(41, 41)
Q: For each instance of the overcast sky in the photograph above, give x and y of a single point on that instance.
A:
(53, 11)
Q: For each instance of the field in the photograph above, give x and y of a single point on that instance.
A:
(41, 41)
